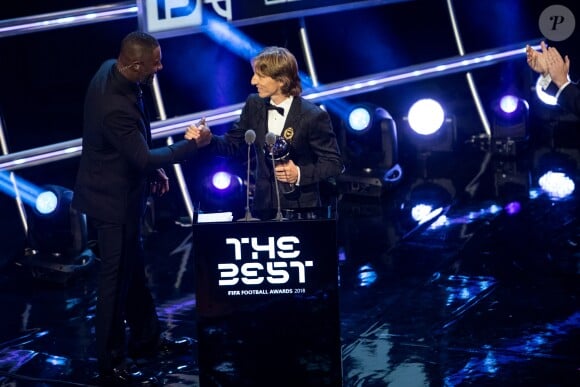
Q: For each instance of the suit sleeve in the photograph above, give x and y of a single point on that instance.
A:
(328, 161)
(569, 98)
(127, 138)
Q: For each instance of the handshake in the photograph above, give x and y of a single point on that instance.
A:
(200, 133)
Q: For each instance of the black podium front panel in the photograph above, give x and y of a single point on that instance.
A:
(267, 303)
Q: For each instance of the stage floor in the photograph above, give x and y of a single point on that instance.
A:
(482, 291)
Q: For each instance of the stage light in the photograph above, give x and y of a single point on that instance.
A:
(428, 198)
(369, 147)
(367, 275)
(369, 138)
(222, 181)
(558, 185)
(46, 203)
(555, 172)
(510, 125)
(57, 247)
(223, 192)
(426, 116)
(359, 119)
(429, 127)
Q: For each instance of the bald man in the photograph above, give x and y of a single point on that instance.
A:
(118, 170)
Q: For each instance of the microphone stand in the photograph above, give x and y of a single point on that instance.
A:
(279, 213)
(271, 142)
(248, 217)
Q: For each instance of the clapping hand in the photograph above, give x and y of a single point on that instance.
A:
(558, 66)
(538, 61)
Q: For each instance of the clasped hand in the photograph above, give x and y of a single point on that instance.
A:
(200, 133)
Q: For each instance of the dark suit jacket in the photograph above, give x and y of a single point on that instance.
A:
(111, 183)
(313, 144)
(569, 99)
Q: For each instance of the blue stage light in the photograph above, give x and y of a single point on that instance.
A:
(508, 104)
(367, 275)
(369, 146)
(222, 180)
(368, 139)
(51, 231)
(223, 191)
(46, 203)
(510, 124)
(359, 119)
(510, 107)
(57, 245)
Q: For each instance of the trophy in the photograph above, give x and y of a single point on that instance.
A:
(277, 150)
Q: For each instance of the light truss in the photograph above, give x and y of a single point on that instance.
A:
(361, 85)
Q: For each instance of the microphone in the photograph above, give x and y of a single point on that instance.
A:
(271, 141)
(250, 137)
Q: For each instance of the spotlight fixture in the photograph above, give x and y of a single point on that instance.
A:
(510, 125)
(555, 173)
(223, 191)
(57, 247)
(429, 129)
(428, 198)
(369, 147)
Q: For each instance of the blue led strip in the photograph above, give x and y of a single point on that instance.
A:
(70, 18)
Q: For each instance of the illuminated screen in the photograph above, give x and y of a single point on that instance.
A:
(165, 18)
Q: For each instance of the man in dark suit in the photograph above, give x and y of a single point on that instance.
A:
(117, 171)
(277, 108)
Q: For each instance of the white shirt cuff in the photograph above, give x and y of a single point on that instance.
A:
(298, 180)
(545, 81)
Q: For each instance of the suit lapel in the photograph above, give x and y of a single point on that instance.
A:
(292, 120)
(262, 117)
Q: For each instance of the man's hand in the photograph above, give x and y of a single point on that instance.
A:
(200, 133)
(205, 137)
(287, 172)
(538, 60)
(159, 182)
(558, 67)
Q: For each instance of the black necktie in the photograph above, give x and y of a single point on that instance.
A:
(277, 108)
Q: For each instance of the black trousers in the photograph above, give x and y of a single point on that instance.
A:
(124, 300)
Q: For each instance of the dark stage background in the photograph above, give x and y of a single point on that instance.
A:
(45, 74)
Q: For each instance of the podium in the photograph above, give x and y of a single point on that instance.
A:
(267, 303)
